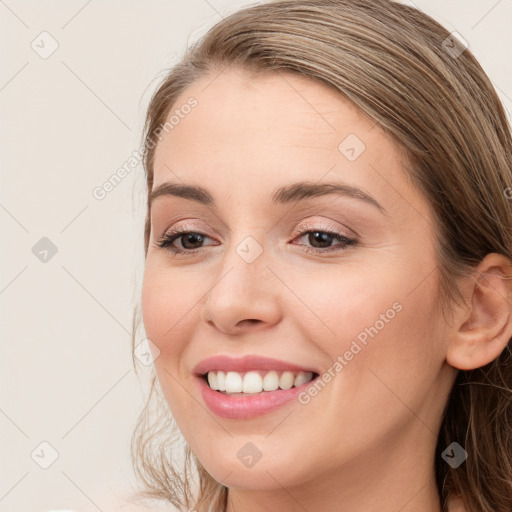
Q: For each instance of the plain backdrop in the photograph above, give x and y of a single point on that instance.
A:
(75, 79)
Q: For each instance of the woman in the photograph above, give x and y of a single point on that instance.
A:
(327, 279)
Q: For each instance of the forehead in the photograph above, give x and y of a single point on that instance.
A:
(271, 129)
(235, 106)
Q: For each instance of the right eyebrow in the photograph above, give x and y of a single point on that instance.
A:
(282, 195)
(192, 192)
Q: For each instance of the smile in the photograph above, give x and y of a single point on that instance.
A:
(250, 386)
(254, 382)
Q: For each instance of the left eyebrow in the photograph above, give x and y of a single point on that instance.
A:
(287, 194)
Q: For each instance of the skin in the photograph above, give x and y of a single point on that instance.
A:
(366, 442)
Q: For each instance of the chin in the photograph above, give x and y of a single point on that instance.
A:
(239, 471)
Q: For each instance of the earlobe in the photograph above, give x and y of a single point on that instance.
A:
(485, 327)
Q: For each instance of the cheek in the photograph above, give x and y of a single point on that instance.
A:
(342, 306)
(169, 315)
(398, 338)
(168, 308)
(373, 325)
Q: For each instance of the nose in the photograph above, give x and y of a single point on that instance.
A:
(243, 296)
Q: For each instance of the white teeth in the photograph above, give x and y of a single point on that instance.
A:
(253, 382)
(286, 380)
(212, 380)
(271, 381)
(302, 378)
(221, 380)
(233, 382)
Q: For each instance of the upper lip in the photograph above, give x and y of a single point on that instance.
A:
(245, 364)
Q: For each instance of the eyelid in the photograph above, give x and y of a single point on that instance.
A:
(321, 225)
(174, 218)
(306, 225)
(182, 225)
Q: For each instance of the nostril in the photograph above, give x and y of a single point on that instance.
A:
(249, 321)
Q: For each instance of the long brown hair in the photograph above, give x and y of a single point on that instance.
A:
(409, 74)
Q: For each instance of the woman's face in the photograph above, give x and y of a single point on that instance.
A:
(358, 308)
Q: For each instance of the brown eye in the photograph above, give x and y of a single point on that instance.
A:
(321, 240)
(190, 241)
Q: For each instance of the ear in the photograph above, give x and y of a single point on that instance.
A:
(484, 326)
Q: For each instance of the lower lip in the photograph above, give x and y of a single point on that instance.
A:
(246, 407)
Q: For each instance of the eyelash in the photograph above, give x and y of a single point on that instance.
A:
(165, 242)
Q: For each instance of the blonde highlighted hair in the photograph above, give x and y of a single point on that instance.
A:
(395, 64)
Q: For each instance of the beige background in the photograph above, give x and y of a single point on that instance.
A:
(68, 122)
